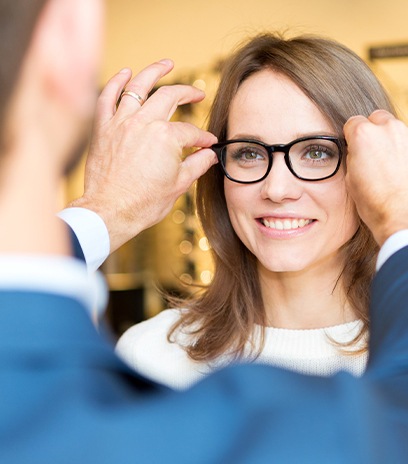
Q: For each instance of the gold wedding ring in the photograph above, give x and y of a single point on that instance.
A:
(134, 95)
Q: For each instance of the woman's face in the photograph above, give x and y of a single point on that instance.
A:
(287, 223)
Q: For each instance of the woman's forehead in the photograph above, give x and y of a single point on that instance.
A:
(269, 103)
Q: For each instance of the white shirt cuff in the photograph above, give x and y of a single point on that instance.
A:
(57, 275)
(392, 245)
(91, 233)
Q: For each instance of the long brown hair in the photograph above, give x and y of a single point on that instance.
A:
(222, 318)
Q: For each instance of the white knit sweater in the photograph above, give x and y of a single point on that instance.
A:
(145, 348)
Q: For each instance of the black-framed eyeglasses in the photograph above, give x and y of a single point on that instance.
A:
(307, 158)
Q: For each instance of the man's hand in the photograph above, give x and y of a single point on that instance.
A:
(134, 171)
(377, 171)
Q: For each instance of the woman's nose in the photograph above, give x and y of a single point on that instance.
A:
(280, 184)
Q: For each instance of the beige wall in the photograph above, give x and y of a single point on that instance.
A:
(195, 33)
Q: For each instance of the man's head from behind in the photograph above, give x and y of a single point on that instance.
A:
(50, 52)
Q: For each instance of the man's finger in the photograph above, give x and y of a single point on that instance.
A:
(164, 102)
(351, 124)
(377, 117)
(106, 105)
(380, 117)
(189, 136)
(195, 165)
(141, 85)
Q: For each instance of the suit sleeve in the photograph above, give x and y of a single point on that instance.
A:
(389, 318)
(66, 398)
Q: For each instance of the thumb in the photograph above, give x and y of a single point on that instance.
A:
(195, 165)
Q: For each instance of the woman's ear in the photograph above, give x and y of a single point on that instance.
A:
(66, 49)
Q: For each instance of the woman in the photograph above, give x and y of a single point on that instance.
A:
(293, 261)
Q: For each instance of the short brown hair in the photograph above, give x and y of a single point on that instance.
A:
(17, 21)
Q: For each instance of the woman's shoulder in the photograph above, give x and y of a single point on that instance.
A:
(154, 329)
(147, 348)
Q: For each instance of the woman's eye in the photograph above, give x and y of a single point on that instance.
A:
(317, 154)
(248, 155)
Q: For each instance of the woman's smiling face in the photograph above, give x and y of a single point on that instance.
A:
(287, 223)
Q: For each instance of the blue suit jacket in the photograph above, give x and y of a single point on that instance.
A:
(66, 398)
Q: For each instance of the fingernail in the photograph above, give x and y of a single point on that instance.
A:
(166, 62)
(124, 71)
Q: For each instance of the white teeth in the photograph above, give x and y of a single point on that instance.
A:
(286, 224)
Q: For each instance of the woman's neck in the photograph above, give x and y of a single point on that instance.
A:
(308, 299)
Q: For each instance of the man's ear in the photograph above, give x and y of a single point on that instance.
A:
(66, 48)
